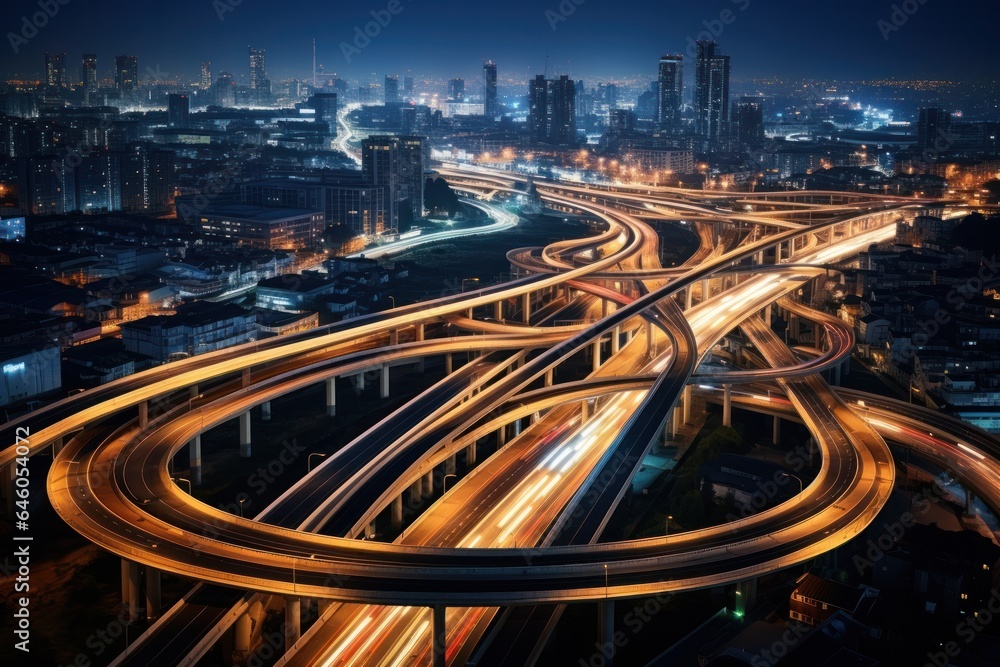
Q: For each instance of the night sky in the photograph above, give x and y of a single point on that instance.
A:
(600, 39)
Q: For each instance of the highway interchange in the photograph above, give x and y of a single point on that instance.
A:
(522, 527)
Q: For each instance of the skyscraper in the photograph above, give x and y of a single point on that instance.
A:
(408, 85)
(260, 85)
(225, 90)
(391, 89)
(933, 128)
(325, 105)
(456, 90)
(206, 74)
(88, 75)
(396, 162)
(711, 97)
(552, 110)
(748, 121)
(490, 108)
(126, 73)
(177, 110)
(671, 91)
(55, 70)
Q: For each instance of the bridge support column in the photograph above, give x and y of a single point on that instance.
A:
(143, 414)
(245, 378)
(470, 455)
(396, 513)
(194, 457)
(517, 427)
(439, 636)
(616, 339)
(450, 465)
(417, 491)
(193, 391)
(746, 596)
(604, 308)
(331, 396)
(385, 381)
(448, 364)
(323, 605)
(767, 315)
(727, 405)
(419, 331)
(394, 337)
(428, 484)
(596, 355)
(152, 593)
(688, 398)
(293, 621)
(125, 583)
(498, 311)
(526, 308)
(245, 446)
(585, 408)
(549, 376)
(134, 588)
(706, 290)
(650, 347)
(359, 381)
(688, 298)
(677, 420)
(241, 635)
(606, 630)
(776, 431)
(57, 446)
(501, 436)
(265, 411)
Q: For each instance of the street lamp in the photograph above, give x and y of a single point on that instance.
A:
(181, 479)
(193, 399)
(392, 299)
(669, 518)
(795, 477)
(605, 581)
(309, 460)
(241, 501)
(468, 280)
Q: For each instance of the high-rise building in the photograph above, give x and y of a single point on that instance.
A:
(456, 90)
(621, 121)
(490, 108)
(671, 91)
(748, 121)
(126, 73)
(933, 128)
(55, 70)
(260, 85)
(391, 89)
(325, 105)
(408, 85)
(398, 163)
(206, 74)
(711, 96)
(552, 110)
(88, 76)
(225, 90)
(177, 110)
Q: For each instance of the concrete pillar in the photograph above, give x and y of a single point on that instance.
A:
(152, 593)
(450, 465)
(396, 513)
(143, 414)
(394, 337)
(776, 431)
(428, 483)
(448, 367)
(241, 634)
(193, 391)
(194, 457)
(385, 381)
(604, 308)
(677, 420)
(331, 396)
(417, 491)
(439, 636)
(746, 596)
(324, 605)
(606, 630)
(502, 436)
(245, 440)
(419, 332)
(550, 377)
(517, 427)
(245, 378)
(836, 375)
(57, 445)
(585, 408)
(767, 315)
(498, 310)
(706, 290)
(596, 355)
(265, 411)
(616, 339)
(688, 298)
(649, 340)
(526, 308)
(293, 621)
(125, 583)
(727, 405)
(134, 588)
(470, 455)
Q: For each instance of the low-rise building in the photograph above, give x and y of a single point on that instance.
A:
(262, 227)
(197, 328)
(816, 599)
(28, 371)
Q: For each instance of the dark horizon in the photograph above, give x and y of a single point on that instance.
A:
(846, 41)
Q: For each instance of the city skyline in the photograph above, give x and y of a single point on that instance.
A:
(934, 41)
